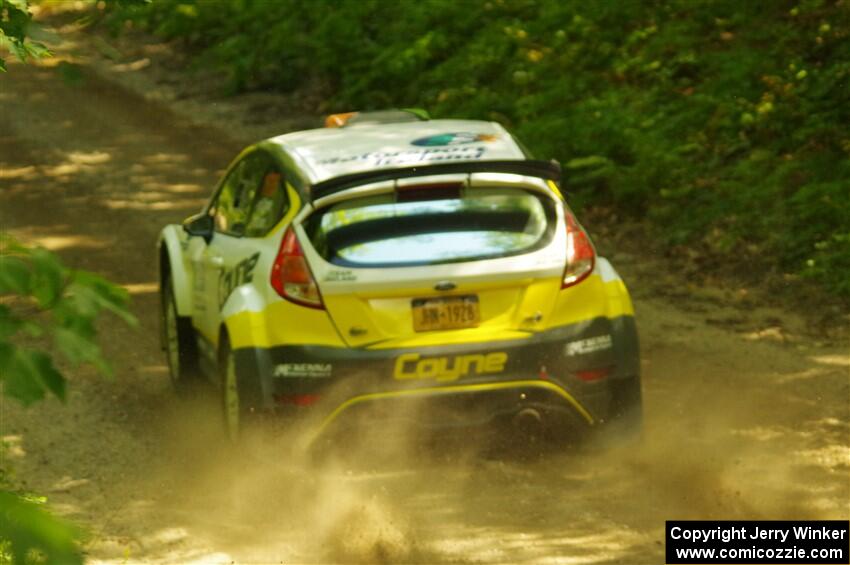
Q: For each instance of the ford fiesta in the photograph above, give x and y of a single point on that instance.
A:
(387, 260)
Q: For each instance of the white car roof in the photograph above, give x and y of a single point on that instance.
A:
(331, 152)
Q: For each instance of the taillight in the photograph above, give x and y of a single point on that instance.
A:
(291, 276)
(297, 399)
(580, 254)
(591, 375)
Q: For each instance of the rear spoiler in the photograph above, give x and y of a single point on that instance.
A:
(549, 170)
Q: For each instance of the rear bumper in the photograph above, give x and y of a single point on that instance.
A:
(462, 405)
(451, 385)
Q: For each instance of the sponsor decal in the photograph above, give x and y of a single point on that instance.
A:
(241, 273)
(457, 138)
(340, 276)
(414, 366)
(303, 370)
(411, 156)
(589, 345)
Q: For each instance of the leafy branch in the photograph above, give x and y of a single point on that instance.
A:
(15, 22)
(40, 300)
(45, 309)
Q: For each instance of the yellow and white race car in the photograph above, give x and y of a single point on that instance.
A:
(390, 259)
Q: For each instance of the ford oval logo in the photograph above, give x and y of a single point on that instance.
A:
(455, 138)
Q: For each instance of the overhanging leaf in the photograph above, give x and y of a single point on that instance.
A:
(37, 50)
(29, 374)
(93, 293)
(28, 526)
(9, 323)
(51, 378)
(21, 378)
(47, 277)
(7, 354)
(14, 275)
(79, 348)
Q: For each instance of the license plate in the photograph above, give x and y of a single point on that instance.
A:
(447, 313)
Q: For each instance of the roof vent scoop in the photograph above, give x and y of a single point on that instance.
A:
(379, 117)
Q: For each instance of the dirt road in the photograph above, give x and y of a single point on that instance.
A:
(746, 417)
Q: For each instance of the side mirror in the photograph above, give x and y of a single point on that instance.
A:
(200, 225)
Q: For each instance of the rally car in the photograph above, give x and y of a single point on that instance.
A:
(390, 258)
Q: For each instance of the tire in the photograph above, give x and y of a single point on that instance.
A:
(242, 417)
(179, 343)
(238, 418)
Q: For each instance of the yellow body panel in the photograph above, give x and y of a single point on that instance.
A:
(451, 337)
(282, 323)
(619, 301)
(585, 300)
(500, 320)
(554, 186)
(506, 309)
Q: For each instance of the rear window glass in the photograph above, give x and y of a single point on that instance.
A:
(478, 223)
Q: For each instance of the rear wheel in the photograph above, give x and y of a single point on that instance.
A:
(179, 342)
(241, 413)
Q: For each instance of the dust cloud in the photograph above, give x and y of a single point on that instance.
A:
(272, 496)
(387, 493)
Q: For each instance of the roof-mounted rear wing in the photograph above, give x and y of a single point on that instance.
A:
(549, 170)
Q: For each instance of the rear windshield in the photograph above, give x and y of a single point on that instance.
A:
(395, 230)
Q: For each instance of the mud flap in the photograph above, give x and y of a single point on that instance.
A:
(254, 372)
(625, 420)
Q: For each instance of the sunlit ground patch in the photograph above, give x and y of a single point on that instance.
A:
(13, 446)
(137, 65)
(58, 241)
(123, 204)
(154, 369)
(141, 288)
(838, 360)
(19, 173)
(159, 158)
(833, 457)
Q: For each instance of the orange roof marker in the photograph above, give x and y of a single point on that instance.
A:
(338, 120)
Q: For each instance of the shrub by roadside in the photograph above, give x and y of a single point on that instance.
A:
(720, 123)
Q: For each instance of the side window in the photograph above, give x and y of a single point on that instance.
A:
(237, 195)
(271, 203)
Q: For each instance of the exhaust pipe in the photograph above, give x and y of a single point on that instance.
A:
(528, 420)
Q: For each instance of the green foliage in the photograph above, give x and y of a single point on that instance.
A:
(15, 21)
(723, 123)
(44, 301)
(35, 535)
(44, 308)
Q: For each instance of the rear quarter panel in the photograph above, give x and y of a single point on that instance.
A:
(603, 293)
